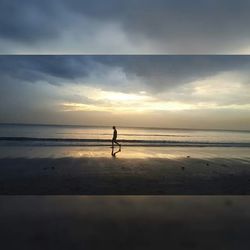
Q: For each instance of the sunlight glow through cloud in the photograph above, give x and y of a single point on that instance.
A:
(111, 101)
(207, 94)
(119, 96)
(129, 108)
(164, 91)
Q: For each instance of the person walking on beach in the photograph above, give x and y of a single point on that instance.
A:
(114, 139)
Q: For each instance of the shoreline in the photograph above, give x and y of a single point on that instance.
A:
(138, 152)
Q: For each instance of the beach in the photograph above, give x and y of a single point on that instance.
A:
(134, 171)
(84, 198)
(79, 160)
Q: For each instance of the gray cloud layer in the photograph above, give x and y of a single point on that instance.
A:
(156, 72)
(35, 88)
(149, 26)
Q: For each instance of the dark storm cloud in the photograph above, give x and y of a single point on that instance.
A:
(194, 26)
(168, 71)
(37, 68)
(156, 72)
(176, 24)
(28, 21)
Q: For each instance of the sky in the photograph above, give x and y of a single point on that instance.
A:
(124, 27)
(152, 91)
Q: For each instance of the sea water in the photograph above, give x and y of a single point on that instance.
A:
(59, 135)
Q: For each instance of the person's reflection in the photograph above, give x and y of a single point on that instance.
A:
(113, 152)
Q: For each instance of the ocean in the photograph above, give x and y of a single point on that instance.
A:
(57, 135)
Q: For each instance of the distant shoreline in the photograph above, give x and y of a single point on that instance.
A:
(128, 127)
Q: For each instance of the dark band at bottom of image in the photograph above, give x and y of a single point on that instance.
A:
(125, 222)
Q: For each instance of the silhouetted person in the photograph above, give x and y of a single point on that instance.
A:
(114, 139)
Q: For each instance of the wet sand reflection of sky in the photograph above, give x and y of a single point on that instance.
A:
(126, 152)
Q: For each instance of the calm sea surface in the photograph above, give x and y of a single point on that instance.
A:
(48, 135)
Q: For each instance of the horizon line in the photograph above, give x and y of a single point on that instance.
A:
(147, 127)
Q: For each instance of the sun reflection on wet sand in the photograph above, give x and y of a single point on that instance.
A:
(126, 152)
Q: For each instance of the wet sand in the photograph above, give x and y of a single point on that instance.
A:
(158, 222)
(178, 173)
(124, 222)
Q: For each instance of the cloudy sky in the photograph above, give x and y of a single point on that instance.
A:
(119, 26)
(159, 91)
